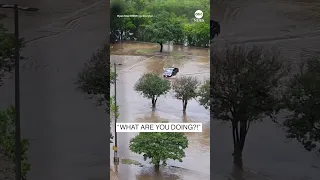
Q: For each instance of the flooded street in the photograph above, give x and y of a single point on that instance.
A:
(293, 26)
(140, 58)
(68, 134)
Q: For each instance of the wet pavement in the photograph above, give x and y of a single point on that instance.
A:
(293, 26)
(135, 108)
(68, 134)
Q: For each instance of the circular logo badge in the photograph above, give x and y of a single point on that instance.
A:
(198, 14)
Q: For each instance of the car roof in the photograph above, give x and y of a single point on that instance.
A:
(171, 68)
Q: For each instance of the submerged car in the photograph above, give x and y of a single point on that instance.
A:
(169, 72)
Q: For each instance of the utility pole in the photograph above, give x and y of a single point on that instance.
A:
(17, 95)
(17, 46)
(115, 147)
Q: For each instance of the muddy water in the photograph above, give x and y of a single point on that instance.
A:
(293, 26)
(139, 58)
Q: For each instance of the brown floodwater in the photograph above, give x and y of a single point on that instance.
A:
(140, 58)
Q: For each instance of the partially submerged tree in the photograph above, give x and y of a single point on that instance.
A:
(160, 146)
(95, 78)
(163, 29)
(204, 94)
(244, 85)
(185, 89)
(303, 99)
(151, 86)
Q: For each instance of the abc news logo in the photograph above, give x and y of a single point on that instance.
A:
(198, 16)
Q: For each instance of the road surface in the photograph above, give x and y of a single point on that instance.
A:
(68, 134)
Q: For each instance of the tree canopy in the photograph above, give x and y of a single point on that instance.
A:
(204, 94)
(245, 82)
(303, 100)
(151, 86)
(95, 78)
(163, 29)
(7, 116)
(7, 141)
(160, 146)
(6, 52)
(185, 89)
(165, 20)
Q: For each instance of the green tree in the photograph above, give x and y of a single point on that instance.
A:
(160, 146)
(244, 90)
(204, 94)
(6, 52)
(117, 7)
(7, 117)
(114, 108)
(303, 99)
(197, 33)
(151, 86)
(7, 140)
(185, 89)
(162, 29)
(167, 23)
(178, 33)
(95, 78)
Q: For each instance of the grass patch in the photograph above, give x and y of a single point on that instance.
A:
(145, 51)
(130, 162)
(175, 54)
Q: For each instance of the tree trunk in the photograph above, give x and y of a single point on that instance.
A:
(154, 102)
(157, 166)
(161, 47)
(237, 157)
(239, 138)
(184, 105)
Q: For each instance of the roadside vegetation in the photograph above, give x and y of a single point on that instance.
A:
(95, 79)
(303, 99)
(7, 116)
(168, 21)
